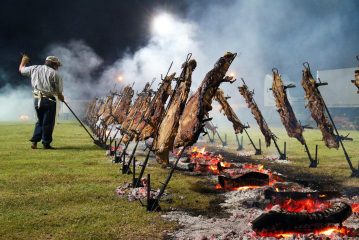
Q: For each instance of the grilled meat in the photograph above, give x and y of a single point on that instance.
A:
(317, 110)
(287, 116)
(198, 106)
(167, 130)
(228, 111)
(248, 96)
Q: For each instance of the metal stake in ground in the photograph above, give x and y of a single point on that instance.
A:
(155, 203)
(240, 143)
(355, 172)
(133, 153)
(258, 150)
(143, 168)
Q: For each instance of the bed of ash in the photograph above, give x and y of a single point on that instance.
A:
(243, 207)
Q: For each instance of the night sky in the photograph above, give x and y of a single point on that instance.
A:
(115, 27)
(109, 27)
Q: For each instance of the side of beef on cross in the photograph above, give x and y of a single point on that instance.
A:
(287, 116)
(153, 115)
(228, 111)
(124, 104)
(200, 103)
(163, 141)
(317, 110)
(133, 111)
(257, 114)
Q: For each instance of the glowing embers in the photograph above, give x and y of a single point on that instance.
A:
(327, 231)
(248, 180)
(302, 205)
(302, 216)
(245, 176)
(205, 162)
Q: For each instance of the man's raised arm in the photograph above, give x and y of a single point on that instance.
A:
(24, 60)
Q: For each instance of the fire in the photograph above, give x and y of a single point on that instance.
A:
(355, 207)
(205, 161)
(219, 187)
(24, 118)
(245, 188)
(308, 205)
(225, 164)
(324, 231)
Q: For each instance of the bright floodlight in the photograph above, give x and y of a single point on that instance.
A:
(120, 78)
(162, 23)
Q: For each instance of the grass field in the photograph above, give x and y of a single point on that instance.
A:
(68, 193)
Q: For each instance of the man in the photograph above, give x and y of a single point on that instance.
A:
(46, 84)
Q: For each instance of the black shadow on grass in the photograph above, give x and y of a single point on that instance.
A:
(79, 147)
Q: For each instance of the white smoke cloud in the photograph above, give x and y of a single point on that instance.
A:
(267, 34)
(16, 102)
(171, 39)
(79, 63)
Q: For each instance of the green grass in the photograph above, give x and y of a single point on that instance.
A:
(68, 193)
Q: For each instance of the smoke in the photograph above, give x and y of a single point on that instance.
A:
(171, 39)
(16, 102)
(266, 34)
(79, 66)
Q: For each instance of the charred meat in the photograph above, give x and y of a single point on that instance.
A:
(287, 116)
(317, 109)
(198, 106)
(153, 115)
(228, 111)
(163, 141)
(263, 126)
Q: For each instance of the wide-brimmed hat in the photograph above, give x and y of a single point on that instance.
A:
(53, 59)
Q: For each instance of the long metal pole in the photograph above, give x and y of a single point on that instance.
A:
(133, 153)
(143, 167)
(79, 121)
(169, 176)
(258, 151)
(354, 171)
(282, 156)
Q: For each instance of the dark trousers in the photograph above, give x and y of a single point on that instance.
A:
(44, 126)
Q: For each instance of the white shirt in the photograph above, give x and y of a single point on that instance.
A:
(44, 79)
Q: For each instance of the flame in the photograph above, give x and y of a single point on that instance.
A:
(327, 231)
(218, 186)
(355, 207)
(24, 118)
(245, 188)
(309, 205)
(205, 161)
